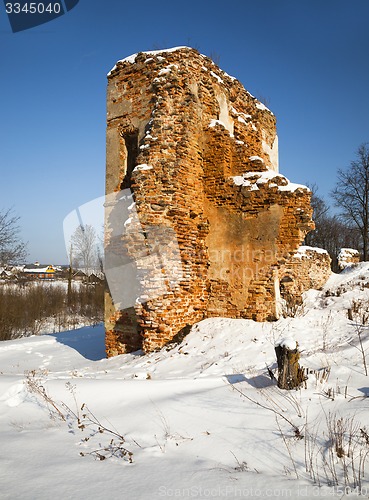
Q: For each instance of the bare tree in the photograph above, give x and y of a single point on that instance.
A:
(320, 214)
(335, 234)
(84, 247)
(351, 195)
(12, 248)
(331, 233)
(100, 250)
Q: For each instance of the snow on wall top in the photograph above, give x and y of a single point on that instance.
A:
(348, 257)
(348, 252)
(132, 59)
(254, 180)
(306, 251)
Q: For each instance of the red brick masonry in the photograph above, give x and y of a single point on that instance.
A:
(200, 155)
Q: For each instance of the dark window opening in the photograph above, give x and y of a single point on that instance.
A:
(286, 279)
(285, 286)
(131, 143)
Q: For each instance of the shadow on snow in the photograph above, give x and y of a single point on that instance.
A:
(89, 341)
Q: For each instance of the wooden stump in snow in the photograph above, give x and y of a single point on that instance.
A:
(290, 374)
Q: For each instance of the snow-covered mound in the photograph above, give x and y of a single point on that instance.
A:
(200, 419)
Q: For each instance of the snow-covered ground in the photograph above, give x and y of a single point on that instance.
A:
(201, 420)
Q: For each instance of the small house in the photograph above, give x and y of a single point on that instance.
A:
(39, 271)
(5, 274)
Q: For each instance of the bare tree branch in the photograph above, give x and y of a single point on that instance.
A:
(12, 248)
(84, 241)
(351, 195)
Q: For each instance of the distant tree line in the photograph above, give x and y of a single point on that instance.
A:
(31, 309)
(349, 228)
(331, 232)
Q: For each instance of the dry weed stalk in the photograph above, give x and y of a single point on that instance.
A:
(341, 451)
(359, 314)
(82, 418)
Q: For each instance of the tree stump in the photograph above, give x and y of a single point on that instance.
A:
(290, 374)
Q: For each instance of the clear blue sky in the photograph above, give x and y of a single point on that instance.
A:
(309, 58)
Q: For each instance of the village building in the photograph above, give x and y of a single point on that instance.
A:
(39, 271)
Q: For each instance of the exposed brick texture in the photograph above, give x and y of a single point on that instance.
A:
(348, 257)
(200, 155)
(308, 268)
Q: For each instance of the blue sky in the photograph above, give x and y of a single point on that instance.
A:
(308, 58)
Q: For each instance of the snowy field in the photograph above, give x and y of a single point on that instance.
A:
(199, 420)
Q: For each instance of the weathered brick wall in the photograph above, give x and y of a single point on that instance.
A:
(348, 257)
(200, 155)
(308, 268)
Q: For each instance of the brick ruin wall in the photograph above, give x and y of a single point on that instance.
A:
(348, 257)
(200, 155)
(308, 268)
